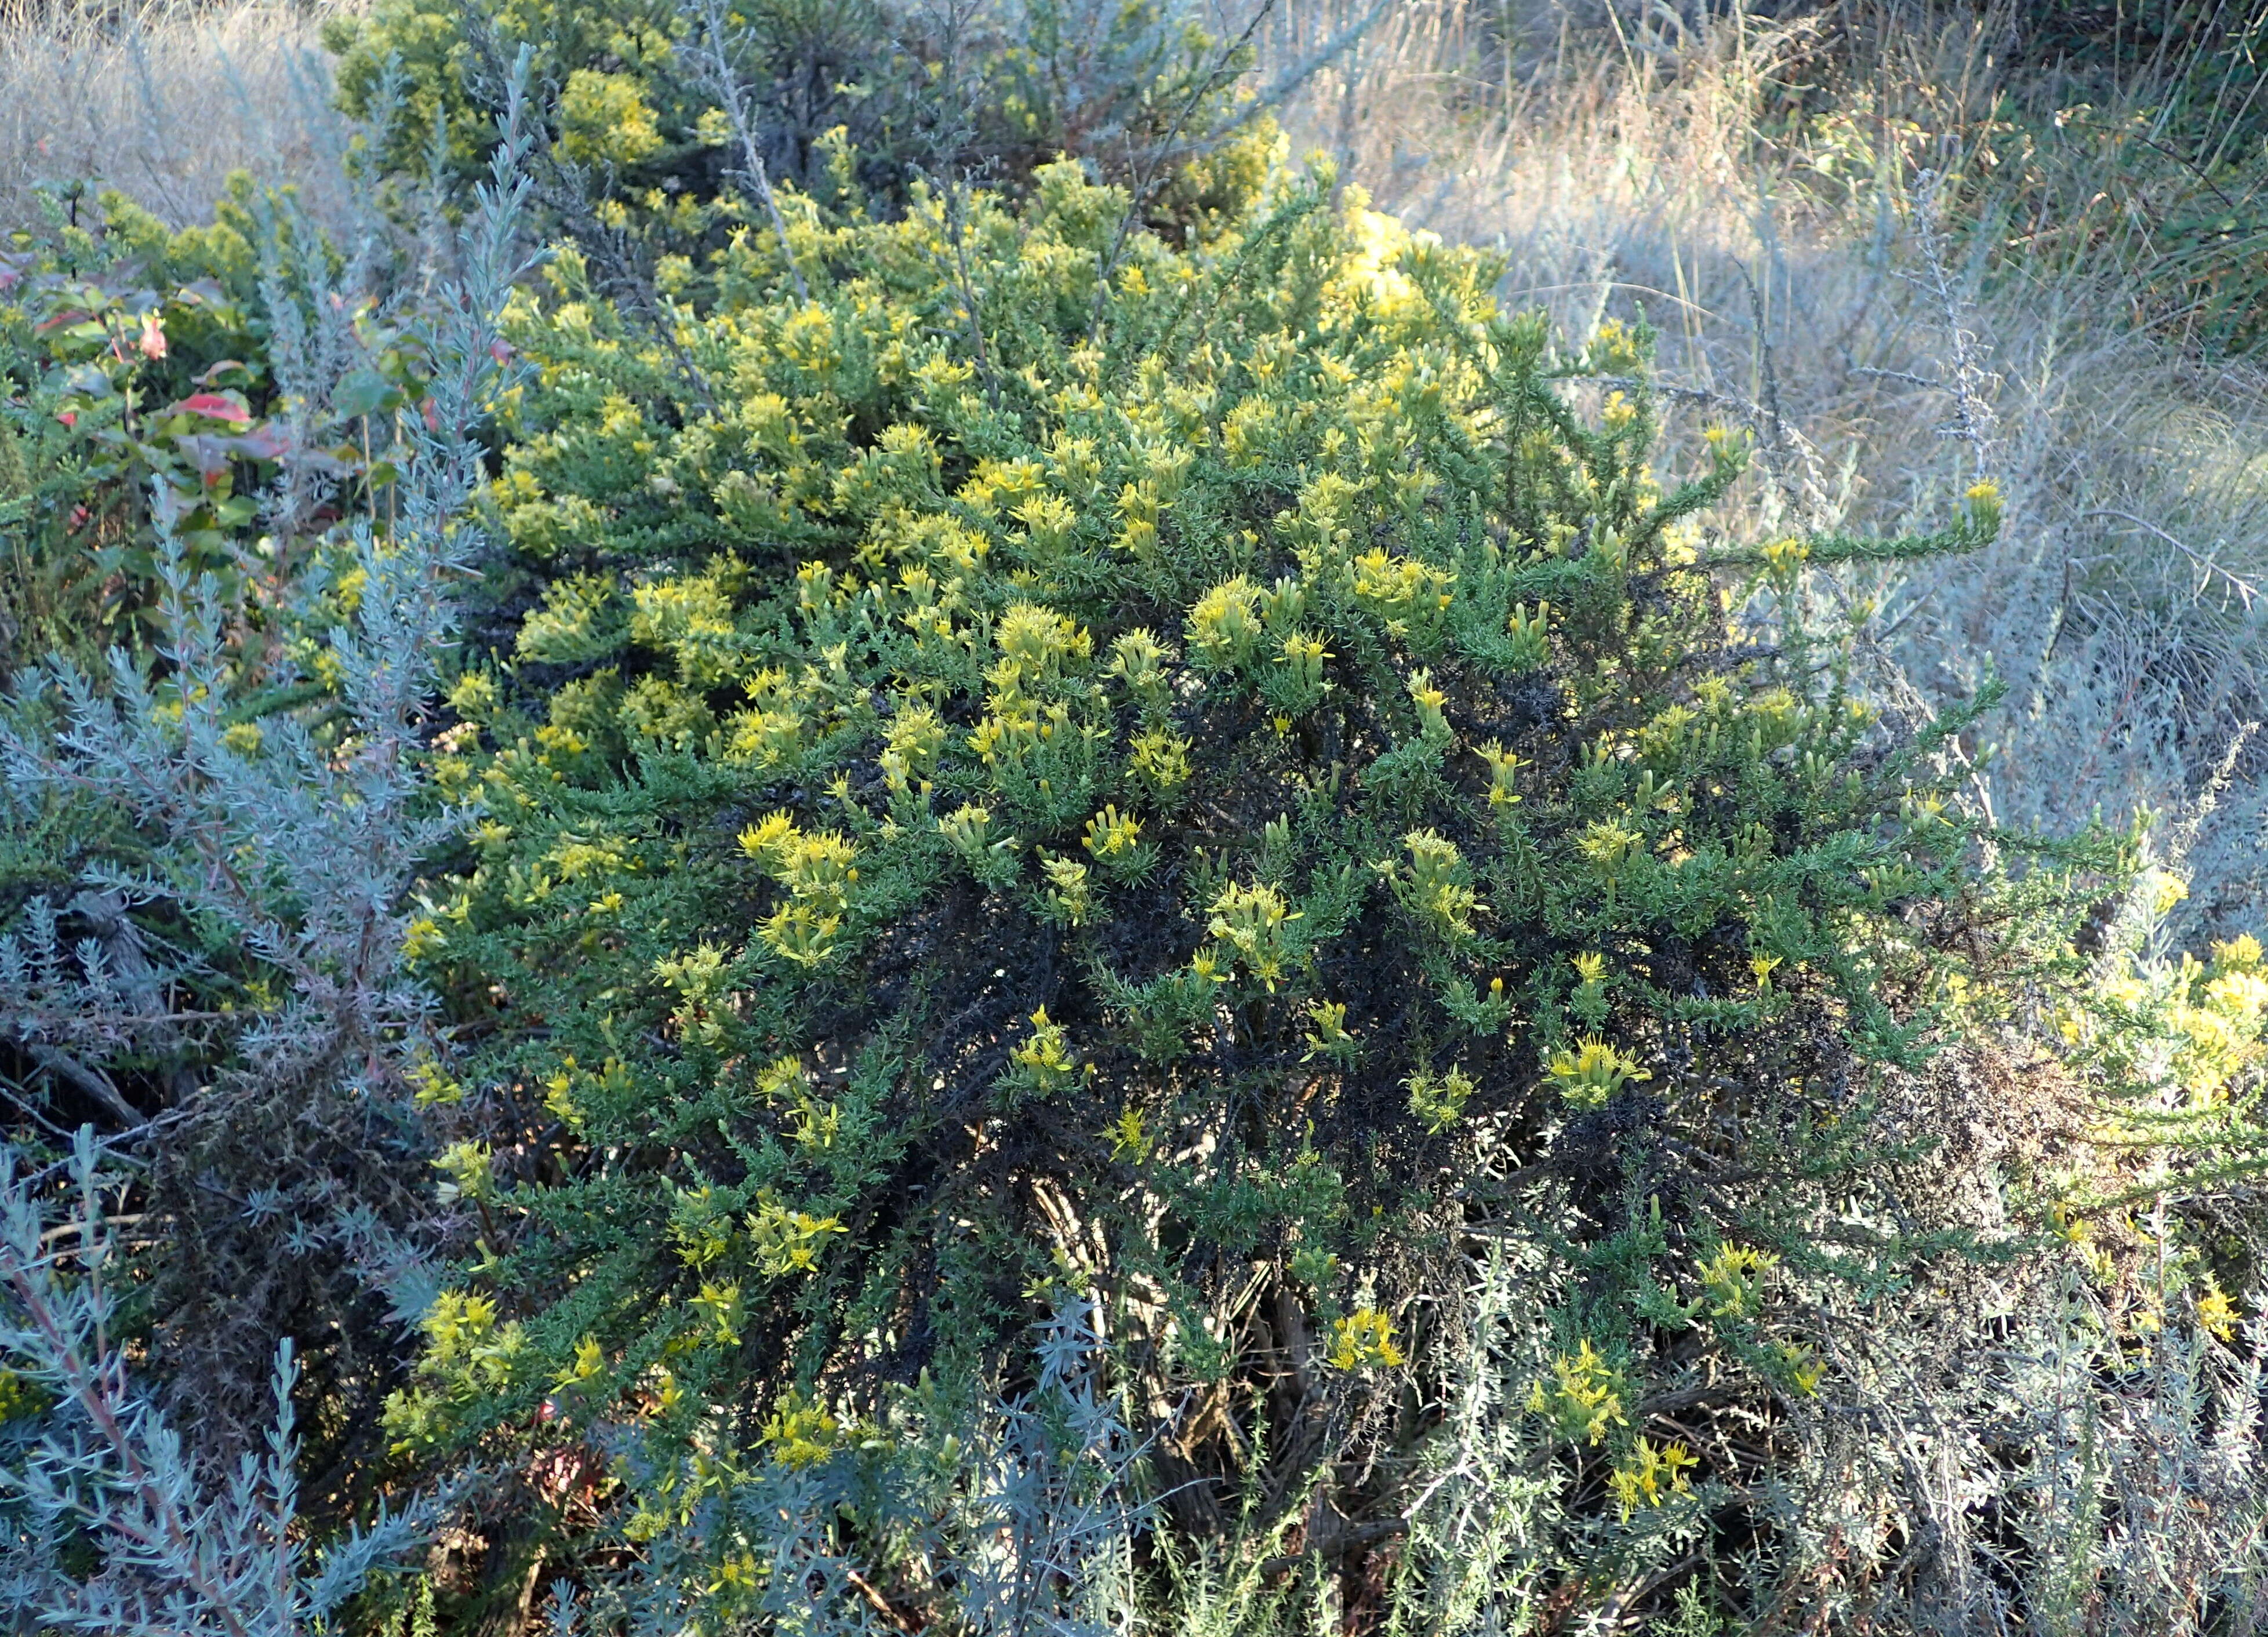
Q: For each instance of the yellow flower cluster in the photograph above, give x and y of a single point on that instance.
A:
(1654, 1472)
(1364, 1339)
(1583, 1398)
(818, 871)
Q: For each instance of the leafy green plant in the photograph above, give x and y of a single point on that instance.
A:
(1195, 777)
(667, 120)
(1140, 917)
(208, 844)
(235, 387)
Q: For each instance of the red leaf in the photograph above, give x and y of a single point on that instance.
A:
(213, 407)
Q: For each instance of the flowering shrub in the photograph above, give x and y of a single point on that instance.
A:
(1130, 910)
(1134, 920)
(1186, 780)
(664, 110)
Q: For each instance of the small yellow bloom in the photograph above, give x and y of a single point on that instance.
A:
(1592, 1073)
(1044, 1061)
(589, 1360)
(720, 1304)
(1584, 1398)
(1128, 1140)
(2216, 1313)
(1655, 1473)
(1111, 834)
(1784, 557)
(1363, 1339)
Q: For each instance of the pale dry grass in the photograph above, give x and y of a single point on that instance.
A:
(164, 99)
(1621, 169)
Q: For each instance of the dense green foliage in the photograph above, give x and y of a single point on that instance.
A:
(1194, 783)
(949, 907)
(662, 113)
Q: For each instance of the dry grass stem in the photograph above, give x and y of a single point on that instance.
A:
(164, 98)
